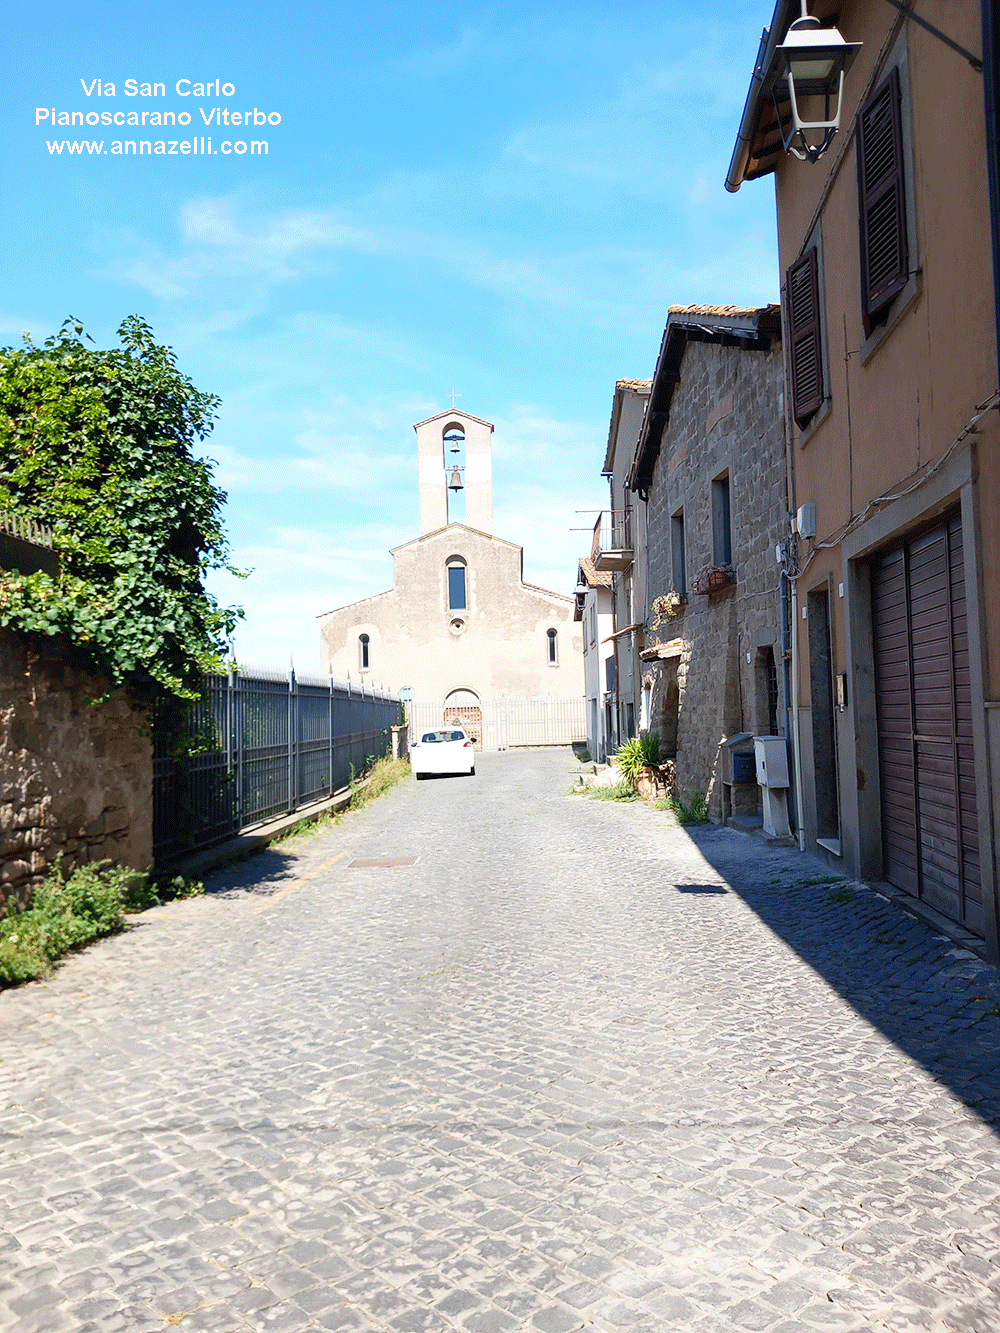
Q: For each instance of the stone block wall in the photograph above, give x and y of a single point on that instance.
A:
(75, 778)
(726, 415)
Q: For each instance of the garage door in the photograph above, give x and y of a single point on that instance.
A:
(930, 834)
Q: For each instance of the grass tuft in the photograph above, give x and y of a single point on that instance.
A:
(692, 810)
(620, 791)
(844, 895)
(383, 775)
(62, 915)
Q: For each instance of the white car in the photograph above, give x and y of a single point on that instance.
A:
(447, 750)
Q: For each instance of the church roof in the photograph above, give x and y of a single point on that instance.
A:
(476, 532)
(453, 412)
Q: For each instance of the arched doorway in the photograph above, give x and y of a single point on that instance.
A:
(462, 708)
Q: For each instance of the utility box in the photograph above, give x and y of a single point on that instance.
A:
(772, 761)
(805, 520)
(772, 776)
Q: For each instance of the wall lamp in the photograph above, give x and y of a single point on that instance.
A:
(810, 64)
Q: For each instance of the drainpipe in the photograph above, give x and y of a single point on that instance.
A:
(800, 832)
(792, 563)
(991, 88)
(786, 674)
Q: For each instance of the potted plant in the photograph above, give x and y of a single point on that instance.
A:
(667, 607)
(713, 578)
(638, 761)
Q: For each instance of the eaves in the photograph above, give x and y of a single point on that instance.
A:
(754, 330)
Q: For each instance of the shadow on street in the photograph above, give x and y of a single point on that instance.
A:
(938, 1003)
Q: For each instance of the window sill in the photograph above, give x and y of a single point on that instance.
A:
(807, 431)
(910, 293)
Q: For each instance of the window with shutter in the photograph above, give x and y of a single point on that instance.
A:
(881, 201)
(802, 286)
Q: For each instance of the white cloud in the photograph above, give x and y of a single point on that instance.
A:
(297, 575)
(545, 470)
(267, 251)
(240, 263)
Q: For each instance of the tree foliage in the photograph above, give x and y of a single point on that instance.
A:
(98, 445)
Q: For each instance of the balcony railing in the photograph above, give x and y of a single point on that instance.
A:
(26, 546)
(612, 545)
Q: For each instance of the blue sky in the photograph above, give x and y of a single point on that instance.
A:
(500, 198)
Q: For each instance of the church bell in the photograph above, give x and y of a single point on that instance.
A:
(456, 480)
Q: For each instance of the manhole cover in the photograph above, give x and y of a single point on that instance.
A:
(377, 862)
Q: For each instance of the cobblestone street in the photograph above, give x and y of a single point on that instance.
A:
(575, 1067)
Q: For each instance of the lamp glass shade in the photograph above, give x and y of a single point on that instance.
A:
(813, 69)
(814, 58)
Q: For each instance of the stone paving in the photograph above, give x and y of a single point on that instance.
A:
(575, 1068)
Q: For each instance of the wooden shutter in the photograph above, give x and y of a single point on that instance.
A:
(802, 284)
(881, 201)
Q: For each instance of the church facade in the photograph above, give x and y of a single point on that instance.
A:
(460, 630)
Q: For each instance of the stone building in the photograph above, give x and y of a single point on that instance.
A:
(709, 465)
(460, 630)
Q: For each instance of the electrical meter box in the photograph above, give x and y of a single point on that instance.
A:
(772, 761)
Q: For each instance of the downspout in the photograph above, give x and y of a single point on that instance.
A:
(800, 823)
(790, 577)
(991, 98)
(991, 90)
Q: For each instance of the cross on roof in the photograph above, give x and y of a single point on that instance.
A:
(453, 395)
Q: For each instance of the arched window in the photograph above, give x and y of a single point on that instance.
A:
(553, 647)
(454, 442)
(457, 597)
(364, 654)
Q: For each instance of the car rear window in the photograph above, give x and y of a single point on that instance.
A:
(434, 737)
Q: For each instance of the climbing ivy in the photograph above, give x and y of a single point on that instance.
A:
(97, 445)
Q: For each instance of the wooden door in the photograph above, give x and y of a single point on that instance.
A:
(930, 832)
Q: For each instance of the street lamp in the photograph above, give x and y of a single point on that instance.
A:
(811, 63)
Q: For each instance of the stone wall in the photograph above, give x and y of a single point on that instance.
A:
(75, 778)
(726, 415)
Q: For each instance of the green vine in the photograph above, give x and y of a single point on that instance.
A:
(98, 446)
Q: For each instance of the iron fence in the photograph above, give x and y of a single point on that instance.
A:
(504, 724)
(256, 745)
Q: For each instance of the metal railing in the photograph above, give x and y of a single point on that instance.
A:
(504, 724)
(256, 745)
(612, 531)
(26, 546)
(25, 528)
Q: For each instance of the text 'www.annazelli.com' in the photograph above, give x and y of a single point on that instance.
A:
(198, 147)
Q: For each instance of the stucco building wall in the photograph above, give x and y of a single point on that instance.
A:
(628, 586)
(497, 646)
(884, 457)
(595, 617)
(76, 778)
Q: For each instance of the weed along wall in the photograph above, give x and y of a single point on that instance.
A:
(75, 778)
